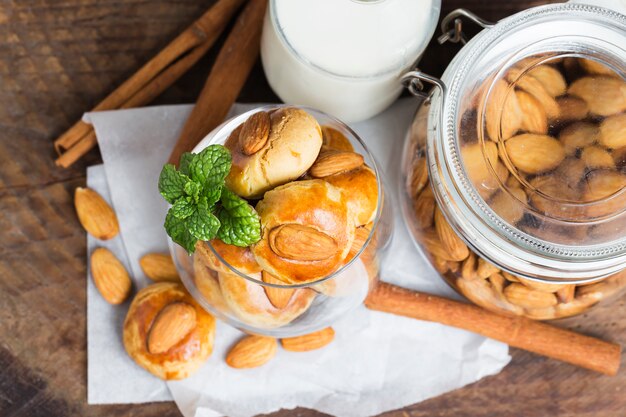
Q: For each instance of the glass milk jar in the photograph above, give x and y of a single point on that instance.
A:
(515, 167)
(344, 57)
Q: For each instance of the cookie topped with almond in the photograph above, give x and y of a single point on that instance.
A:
(278, 205)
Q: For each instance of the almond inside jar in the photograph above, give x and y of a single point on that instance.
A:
(544, 146)
(559, 125)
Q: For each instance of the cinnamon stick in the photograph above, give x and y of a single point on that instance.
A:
(520, 332)
(154, 77)
(227, 77)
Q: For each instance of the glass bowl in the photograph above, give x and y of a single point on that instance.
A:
(241, 299)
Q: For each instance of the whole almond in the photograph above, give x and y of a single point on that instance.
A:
(440, 264)
(566, 294)
(159, 267)
(432, 243)
(600, 185)
(171, 325)
(482, 293)
(613, 131)
(597, 157)
(533, 153)
(334, 139)
(596, 68)
(533, 86)
(450, 240)
(619, 156)
(95, 214)
(602, 289)
(478, 160)
(526, 297)
(424, 208)
(503, 115)
(468, 267)
(419, 177)
(279, 297)
(309, 341)
(509, 205)
(251, 352)
(578, 135)
(498, 282)
(551, 79)
(541, 313)
(110, 276)
(541, 286)
(301, 243)
(535, 119)
(604, 95)
(254, 133)
(557, 191)
(333, 162)
(509, 277)
(571, 171)
(486, 269)
(572, 109)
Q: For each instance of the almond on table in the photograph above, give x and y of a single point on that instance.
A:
(309, 341)
(252, 352)
(110, 276)
(95, 214)
(159, 267)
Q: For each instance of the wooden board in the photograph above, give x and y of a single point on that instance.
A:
(60, 57)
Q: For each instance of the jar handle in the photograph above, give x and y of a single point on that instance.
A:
(455, 34)
(414, 82)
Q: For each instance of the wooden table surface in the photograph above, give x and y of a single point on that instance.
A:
(60, 57)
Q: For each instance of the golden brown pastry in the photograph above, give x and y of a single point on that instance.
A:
(239, 258)
(207, 283)
(261, 306)
(167, 333)
(361, 189)
(343, 284)
(334, 139)
(307, 230)
(293, 143)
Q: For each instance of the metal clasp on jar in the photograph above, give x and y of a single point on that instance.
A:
(451, 29)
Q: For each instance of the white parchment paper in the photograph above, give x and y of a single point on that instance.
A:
(378, 362)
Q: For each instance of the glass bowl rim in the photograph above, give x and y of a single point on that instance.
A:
(229, 125)
(432, 27)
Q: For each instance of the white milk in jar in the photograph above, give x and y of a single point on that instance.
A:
(344, 57)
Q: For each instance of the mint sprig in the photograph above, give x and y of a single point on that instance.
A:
(202, 207)
(238, 219)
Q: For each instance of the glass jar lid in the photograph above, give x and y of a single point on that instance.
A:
(528, 144)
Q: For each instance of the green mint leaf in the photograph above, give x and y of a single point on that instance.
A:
(211, 166)
(177, 229)
(183, 208)
(185, 160)
(203, 224)
(192, 189)
(172, 183)
(240, 223)
(212, 195)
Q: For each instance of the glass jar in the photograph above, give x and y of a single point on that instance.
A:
(344, 57)
(515, 166)
(228, 282)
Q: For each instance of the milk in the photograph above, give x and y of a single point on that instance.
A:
(344, 57)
